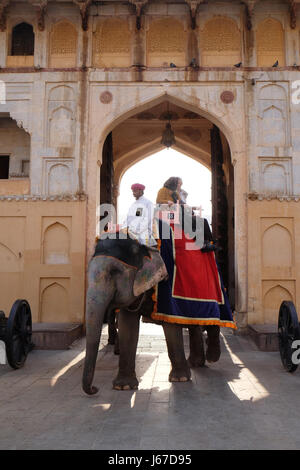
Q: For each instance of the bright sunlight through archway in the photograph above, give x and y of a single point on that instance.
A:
(153, 171)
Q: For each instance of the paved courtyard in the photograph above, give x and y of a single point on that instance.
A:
(245, 401)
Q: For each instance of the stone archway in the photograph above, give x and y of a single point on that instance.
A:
(116, 109)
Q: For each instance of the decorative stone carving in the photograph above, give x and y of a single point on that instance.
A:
(166, 43)
(63, 45)
(58, 176)
(270, 43)
(220, 42)
(112, 43)
(227, 97)
(3, 10)
(273, 111)
(275, 176)
(61, 128)
(139, 5)
(61, 117)
(193, 5)
(84, 6)
(56, 243)
(106, 97)
(40, 7)
(274, 293)
(293, 13)
(54, 295)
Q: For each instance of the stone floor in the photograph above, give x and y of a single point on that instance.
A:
(245, 401)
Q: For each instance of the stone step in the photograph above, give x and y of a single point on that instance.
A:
(55, 335)
(265, 336)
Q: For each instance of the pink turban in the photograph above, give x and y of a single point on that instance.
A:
(137, 186)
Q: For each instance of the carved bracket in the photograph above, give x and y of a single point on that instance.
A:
(249, 8)
(84, 6)
(139, 5)
(40, 8)
(3, 10)
(193, 6)
(293, 13)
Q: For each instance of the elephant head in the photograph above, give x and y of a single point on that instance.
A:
(119, 271)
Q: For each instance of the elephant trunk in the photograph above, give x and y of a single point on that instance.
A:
(97, 303)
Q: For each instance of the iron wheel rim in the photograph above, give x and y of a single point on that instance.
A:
(288, 331)
(18, 334)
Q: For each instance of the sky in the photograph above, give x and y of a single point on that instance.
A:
(153, 171)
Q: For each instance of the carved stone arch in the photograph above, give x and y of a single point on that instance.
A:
(59, 179)
(274, 126)
(56, 244)
(183, 99)
(54, 303)
(220, 42)
(61, 127)
(61, 93)
(277, 247)
(270, 43)
(9, 261)
(63, 41)
(272, 301)
(275, 179)
(272, 91)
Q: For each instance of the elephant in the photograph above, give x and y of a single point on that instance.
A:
(112, 275)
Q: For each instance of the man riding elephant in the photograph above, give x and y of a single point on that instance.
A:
(122, 274)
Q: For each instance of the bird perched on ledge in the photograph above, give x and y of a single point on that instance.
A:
(238, 65)
(276, 64)
(193, 63)
(172, 65)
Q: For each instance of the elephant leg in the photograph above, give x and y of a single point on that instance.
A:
(128, 332)
(213, 351)
(197, 354)
(117, 347)
(180, 371)
(112, 330)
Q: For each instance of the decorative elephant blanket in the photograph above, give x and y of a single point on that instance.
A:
(150, 268)
(194, 292)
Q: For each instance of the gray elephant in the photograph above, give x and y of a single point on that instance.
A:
(118, 278)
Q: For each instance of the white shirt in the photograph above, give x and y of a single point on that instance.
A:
(140, 221)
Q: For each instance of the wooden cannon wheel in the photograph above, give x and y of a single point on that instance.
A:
(288, 331)
(18, 334)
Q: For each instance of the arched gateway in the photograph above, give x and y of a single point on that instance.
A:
(205, 130)
(75, 113)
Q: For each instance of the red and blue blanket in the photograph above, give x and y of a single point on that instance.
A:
(194, 293)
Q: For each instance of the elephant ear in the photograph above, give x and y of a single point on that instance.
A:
(151, 273)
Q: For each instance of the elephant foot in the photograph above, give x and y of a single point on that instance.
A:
(180, 375)
(122, 382)
(196, 361)
(213, 351)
